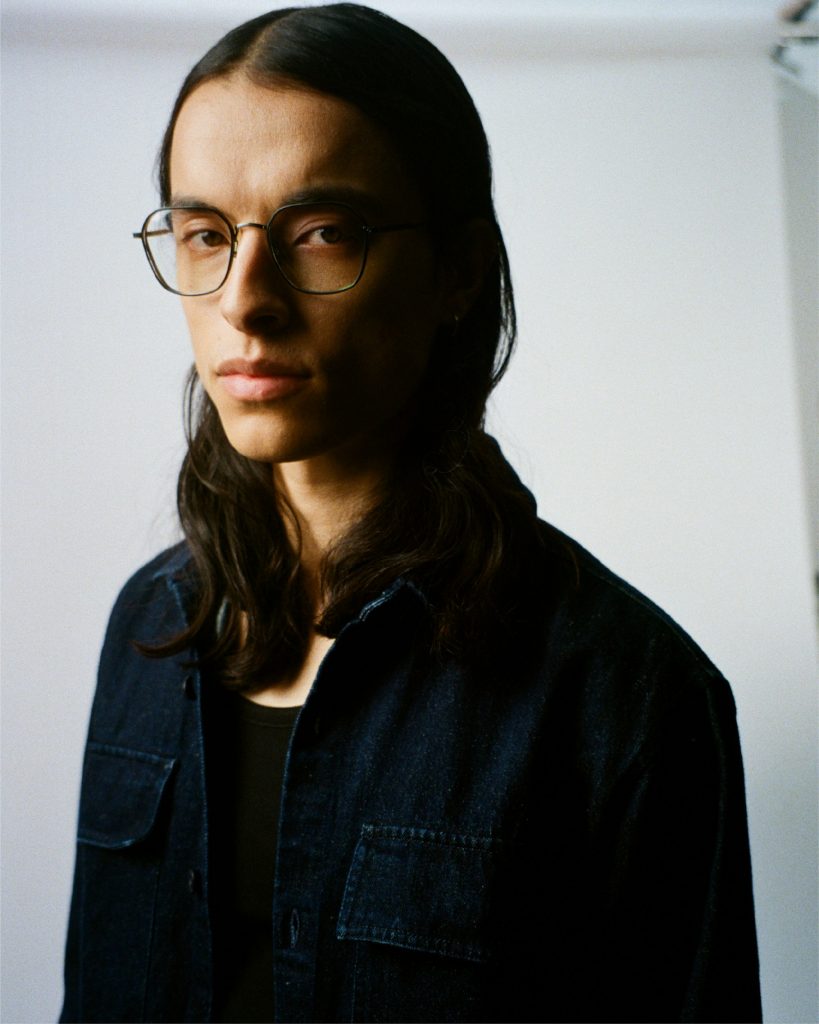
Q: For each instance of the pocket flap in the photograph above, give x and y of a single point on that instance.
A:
(121, 793)
(420, 889)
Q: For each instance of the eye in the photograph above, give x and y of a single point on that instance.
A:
(318, 228)
(331, 233)
(207, 238)
(200, 232)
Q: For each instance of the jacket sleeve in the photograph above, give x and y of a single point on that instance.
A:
(71, 972)
(140, 827)
(677, 938)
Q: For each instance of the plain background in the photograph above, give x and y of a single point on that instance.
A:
(653, 405)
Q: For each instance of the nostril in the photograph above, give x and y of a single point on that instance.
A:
(264, 325)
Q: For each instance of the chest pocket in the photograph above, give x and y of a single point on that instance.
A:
(420, 889)
(121, 794)
(418, 904)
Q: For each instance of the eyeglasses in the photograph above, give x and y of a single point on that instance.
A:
(320, 248)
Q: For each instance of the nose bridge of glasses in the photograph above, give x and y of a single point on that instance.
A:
(240, 227)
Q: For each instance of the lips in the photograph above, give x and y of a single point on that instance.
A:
(260, 380)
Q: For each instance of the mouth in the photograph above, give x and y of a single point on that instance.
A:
(260, 380)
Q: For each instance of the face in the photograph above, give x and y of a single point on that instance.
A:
(298, 377)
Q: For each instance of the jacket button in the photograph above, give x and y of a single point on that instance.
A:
(295, 925)
(189, 687)
(194, 882)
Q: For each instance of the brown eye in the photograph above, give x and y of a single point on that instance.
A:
(330, 234)
(319, 228)
(200, 232)
(205, 240)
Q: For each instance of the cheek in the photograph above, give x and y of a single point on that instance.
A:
(404, 359)
(204, 334)
(197, 330)
(382, 361)
(399, 334)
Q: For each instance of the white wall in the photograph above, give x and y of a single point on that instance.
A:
(651, 405)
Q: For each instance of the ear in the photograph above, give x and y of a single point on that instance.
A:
(468, 254)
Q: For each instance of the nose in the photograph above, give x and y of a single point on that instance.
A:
(255, 299)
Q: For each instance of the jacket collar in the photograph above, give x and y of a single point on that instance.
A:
(177, 569)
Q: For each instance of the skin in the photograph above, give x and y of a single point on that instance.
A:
(358, 356)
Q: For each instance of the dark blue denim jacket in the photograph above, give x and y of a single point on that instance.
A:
(558, 837)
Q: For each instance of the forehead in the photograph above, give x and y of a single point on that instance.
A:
(246, 148)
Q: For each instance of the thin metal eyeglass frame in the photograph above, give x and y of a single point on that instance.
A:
(369, 230)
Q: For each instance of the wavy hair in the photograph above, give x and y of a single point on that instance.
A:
(455, 519)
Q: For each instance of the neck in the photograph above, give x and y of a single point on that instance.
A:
(326, 504)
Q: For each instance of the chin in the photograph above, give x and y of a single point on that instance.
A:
(269, 446)
(264, 451)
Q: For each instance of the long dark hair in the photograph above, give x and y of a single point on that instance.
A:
(455, 519)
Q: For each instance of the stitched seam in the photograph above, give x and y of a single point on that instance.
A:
(429, 837)
(413, 940)
(132, 755)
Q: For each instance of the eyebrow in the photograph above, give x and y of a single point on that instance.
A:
(363, 202)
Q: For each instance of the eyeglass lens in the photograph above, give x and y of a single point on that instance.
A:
(319, 247)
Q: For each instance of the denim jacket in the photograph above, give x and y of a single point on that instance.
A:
(560, 836)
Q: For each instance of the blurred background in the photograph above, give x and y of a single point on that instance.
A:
(656, 171)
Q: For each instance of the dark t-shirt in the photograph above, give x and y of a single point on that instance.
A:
(247, 753)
